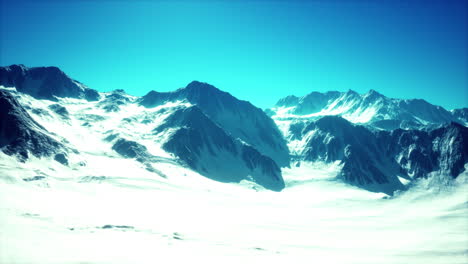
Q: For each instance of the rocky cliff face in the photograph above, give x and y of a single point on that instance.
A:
(461, 115)
(375, 160)
(208, 149)
(238, 118)
(332, 138)
(20, 135)
(418, 153)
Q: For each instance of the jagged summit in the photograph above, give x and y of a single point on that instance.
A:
(120, 91)
(17, 67)
(21, 135)
(461, 115)
(194, 91)
(371, 108)
(44, 83)
(287, 101)
(199, 85)
(237, 117)
(349, 92)
(373, 94)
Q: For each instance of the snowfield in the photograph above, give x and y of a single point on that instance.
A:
(143, 218)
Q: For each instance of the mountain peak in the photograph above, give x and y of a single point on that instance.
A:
(12, 70)
(239, 118)
(44, 83)
(38, 70)
(373, 92)
(17, 66)
(51, 69)
(350, 91)
(199, 85)
(287, 101)
(119, 91)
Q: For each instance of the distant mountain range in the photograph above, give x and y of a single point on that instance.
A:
(382, 144)
(372, 109)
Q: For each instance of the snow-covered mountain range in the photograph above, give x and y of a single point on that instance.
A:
(372, 108)
(381, 144)
(198, 128)
(196, 175)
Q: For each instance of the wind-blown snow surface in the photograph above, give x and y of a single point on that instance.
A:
(138, 218)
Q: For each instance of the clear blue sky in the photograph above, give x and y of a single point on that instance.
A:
(257, 50)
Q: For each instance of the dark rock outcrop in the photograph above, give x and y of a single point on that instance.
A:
(134, 150)
(418, 153)
(461, 115)
(238, 118)
(373, 160)
(206, 148)
(20, 135)
(130, 149)
(335, 139)
(60, 110)
(44, 83)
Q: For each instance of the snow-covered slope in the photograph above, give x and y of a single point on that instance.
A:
(371, 108)
(119, 217)
(21, 135)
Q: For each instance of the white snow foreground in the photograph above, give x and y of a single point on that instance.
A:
(139, 218)
(104, 208)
